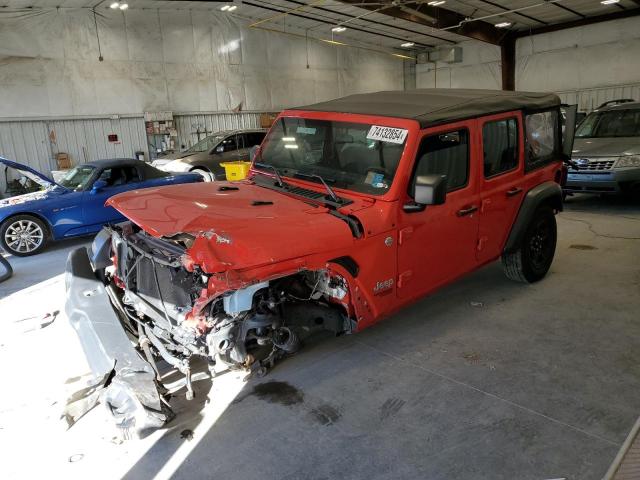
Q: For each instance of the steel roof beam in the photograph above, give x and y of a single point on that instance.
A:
(328, 22)
(579, 23)
(375, 22)
(454, 22)
(523, 15)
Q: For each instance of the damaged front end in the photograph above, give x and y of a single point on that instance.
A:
(140, 303)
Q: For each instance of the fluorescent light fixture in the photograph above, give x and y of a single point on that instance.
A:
(124, 6)
(332, 42)
(225, 7)
(232, 8)
(609, 2)
(291, 145)
(338, 29)
(407, 44)
(288, 139)
(114, 5)
(403, 56)
(435, 4)
(503, 24)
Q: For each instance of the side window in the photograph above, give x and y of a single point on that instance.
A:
(116, 176)
(500, 146)
(542, 142)
(228, 144)
(255, 138)
(444, 154)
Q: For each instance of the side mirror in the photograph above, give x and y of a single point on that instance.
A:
(428, 190)
(97, 186)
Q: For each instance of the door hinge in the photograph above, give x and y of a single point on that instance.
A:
(404, 278)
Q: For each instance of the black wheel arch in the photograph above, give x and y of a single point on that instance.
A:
(547, 193)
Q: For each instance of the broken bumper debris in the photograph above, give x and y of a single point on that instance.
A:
(127, 381)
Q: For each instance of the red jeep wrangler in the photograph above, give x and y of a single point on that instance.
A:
(353, 209)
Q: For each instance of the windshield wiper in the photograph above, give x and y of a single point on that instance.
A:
(332, 194)
(274, 170)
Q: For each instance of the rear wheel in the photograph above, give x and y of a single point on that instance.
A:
(532, 260)
(24, 235)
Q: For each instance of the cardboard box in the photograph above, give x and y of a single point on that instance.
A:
(63, 160)
(267, 119)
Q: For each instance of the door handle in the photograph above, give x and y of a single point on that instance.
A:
(513, 192)
(467, 210)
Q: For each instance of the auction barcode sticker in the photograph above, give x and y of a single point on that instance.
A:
(387, 134)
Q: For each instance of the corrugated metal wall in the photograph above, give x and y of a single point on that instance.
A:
(26, 142)
(86, 140)
(35, 142)
(590, 99)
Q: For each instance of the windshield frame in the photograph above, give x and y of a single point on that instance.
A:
(404, 164)
(598, 115)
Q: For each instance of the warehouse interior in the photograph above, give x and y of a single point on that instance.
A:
(483, 379)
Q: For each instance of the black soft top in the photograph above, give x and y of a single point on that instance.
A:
(432, 106)
(149, 171)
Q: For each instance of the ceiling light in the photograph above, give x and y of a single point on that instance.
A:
(503, 24)
(124, 6)
(407, 44)
(232, 8)
(288, 139)
(435, 4)
(291, 145)
(225, 7)
(338, 29)
(609, 2)
(114, 5)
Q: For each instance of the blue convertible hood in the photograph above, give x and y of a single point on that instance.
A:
(27, 197)
(29, 172)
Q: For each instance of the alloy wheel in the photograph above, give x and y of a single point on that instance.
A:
(24, 236)
(540, 244)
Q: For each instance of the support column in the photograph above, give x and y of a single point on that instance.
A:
(508, 62)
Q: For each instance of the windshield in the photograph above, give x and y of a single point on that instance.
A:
(612, 123)
(354, 156)
(77, 178)
(206, 144)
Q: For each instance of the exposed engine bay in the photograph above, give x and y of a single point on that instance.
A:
(170, 313)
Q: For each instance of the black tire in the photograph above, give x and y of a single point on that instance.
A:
(532, 260)
(36, 235)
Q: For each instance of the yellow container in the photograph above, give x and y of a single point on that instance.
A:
(236, 170)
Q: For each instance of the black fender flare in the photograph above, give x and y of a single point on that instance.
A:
(545, 193)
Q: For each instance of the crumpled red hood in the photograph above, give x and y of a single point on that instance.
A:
(234, 229)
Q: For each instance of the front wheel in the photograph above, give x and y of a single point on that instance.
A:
(23, 235)
(205, 174)
(532, 260)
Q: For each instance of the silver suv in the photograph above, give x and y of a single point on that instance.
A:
(606, 151)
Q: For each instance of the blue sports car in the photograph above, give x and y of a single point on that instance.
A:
(74, 206)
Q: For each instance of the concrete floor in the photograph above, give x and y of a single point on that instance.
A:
(486, 379)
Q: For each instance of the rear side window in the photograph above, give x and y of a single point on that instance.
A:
(444, 154)
(542, 142)
(500, 146)
(254, 138)
(116, 176)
